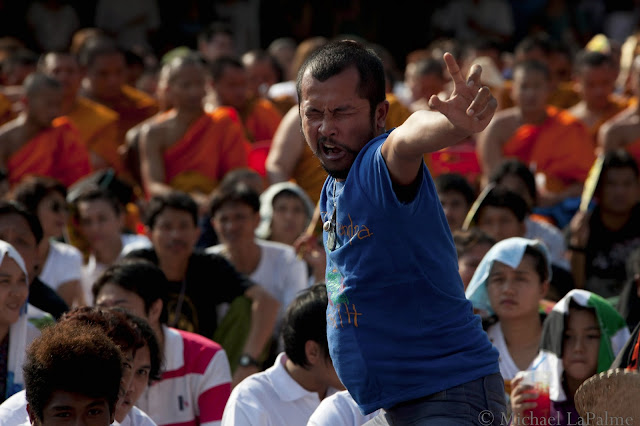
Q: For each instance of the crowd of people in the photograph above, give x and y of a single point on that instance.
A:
(308, 234)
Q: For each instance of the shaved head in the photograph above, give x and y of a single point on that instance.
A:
(37, 81)
(170, 71)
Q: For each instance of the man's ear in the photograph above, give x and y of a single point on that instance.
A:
(155, 310)
(382, 109)
(313, 352)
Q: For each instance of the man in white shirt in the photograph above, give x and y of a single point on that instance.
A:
(302, 376)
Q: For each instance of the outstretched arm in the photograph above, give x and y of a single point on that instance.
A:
(468, 110)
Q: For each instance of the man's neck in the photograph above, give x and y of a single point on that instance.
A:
(157, 329)
(187, 116)
(533, 117)
(175, 269)
(68, 104)
(306, 379)
(244, 257)
(30, 127)
(110, 252)
(614, 221)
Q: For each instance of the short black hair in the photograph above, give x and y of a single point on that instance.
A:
(220, 65)
(532, 65)
(620, 159)
(306, 319)
(335, 57)
(31, 191)
(176, 200)
(95, 193)
(239, 193)
(448, 182)
(516, 167)
(76, 358)
(503, 198)
(12, 207)
(140, 277)
(116, 325)
(466, 240)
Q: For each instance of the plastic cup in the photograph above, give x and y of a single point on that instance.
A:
(539, 380)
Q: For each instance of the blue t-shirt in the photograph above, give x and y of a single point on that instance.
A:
(398, 323)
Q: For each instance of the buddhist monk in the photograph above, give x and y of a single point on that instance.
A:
(596, 76)
(104, 82)
(259, 116)
(97, 124)
(38, 143)
(552, 142)
(623, 131)
(189, 149)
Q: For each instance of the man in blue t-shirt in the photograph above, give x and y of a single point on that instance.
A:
(400, 329)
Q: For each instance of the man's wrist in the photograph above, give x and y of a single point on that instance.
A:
(576, 248)
(247, 360)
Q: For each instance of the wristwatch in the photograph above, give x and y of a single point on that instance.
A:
(246, 360)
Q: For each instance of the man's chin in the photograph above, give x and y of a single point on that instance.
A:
(337, 173)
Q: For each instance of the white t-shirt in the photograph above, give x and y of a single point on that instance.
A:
(93, 269)
(63, 264)
(508, 367)
(279, 272)
(270, 398)
(339, 409)
(13, 412)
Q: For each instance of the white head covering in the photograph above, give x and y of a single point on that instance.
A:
(17, 331)
(266, 205)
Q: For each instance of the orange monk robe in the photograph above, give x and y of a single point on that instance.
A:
(133, 107)
(565, 96)
(211, 147)
(560, 148)
(54, 152)
(6, 110)
(398, 112)
(98, 128)
(261, 120)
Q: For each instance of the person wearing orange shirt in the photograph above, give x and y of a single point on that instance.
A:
(190, 150)
(596, 76)
(551, 141)
(97, 124)
(38, 143)
(105, 83)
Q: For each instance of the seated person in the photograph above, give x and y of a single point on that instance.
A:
(188, 149)
(72, 373)
(471, 247)
(596, 77)
(15, 331)
(551, 141)
(199, 282)
(285, 213)
(190, 361)
(38, 143)
(601, 240)
(581, 337)
(515, 176)
(501, 215)
(131, 336)
(100, 221)
(61, 264)
(508, 286)
(22, 230)
(302, 376)
(235, 215)
(456, 196)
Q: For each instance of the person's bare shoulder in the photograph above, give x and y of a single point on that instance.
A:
(621, 130)
(11, 138)
(158, 133)
(505, 123)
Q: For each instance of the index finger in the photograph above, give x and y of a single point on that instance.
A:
(453, 68)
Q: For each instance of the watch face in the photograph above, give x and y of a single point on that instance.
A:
(246, 360)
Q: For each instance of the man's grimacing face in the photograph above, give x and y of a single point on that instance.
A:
(336, 121)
